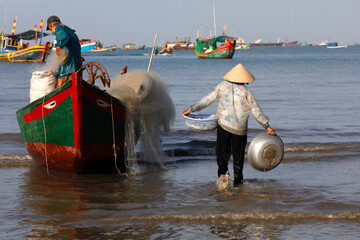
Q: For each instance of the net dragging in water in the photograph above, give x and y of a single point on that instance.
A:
(149, 109)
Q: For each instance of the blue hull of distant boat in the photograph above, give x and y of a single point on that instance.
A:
(87, 47)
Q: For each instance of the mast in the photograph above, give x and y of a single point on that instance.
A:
(214, 18)
(3, 27)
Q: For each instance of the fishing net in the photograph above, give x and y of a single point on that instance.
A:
(44, 78)
(149, 110)
(53, 61)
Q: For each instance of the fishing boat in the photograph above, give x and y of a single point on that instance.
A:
(267, 44)
(290, 44)
(243, 46)
(216, 48)
(219, 47)
(105, 49)
(185, 46)
(165, 52)
(258, 43)
(337, 46)
(13, 48)
(87, 45)
(76, 127)
(131, 46)
(181, 45)
(98, 47)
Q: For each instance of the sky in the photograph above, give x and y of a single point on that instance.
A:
(119, 21)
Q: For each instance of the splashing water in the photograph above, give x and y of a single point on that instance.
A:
(149, 108)
(223, 182)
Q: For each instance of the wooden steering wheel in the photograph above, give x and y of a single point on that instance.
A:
(94, 71)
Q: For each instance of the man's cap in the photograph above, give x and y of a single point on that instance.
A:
(52, 19)
(239, 74)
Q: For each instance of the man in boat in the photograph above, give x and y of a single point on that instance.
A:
(236, 101)
(65, 38)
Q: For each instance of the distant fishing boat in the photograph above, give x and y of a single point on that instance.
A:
(13, 49)
(180, 45)
(259, 43)
(268, 44)
(338, 46)
(105, 49)
(243, 46)
(76, 127)
(185, 46)
(131, 46)
(328, 44)
(219, 47)
(87, 45)
(290, 44)
(164, 52)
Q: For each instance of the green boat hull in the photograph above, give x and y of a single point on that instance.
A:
(75, 128)
(225, 54)
(208, 48)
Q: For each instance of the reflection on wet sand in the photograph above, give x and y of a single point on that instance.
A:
(63, 205)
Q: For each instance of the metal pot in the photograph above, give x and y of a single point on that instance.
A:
(265, 152)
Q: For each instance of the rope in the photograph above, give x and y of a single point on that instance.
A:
(43, 120)
(129, 144)
(114, 140)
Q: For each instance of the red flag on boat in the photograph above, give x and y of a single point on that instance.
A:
(13, 30)
(35, 28)
(41, 24)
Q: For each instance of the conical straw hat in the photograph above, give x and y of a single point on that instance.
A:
(239, 74)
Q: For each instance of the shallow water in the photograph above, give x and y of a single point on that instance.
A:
(311, 96)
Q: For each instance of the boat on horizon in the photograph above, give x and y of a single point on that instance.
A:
(221, 47)
(338, 46)
(259, 43)
(290, 44)
(13, 48)
(110, 48)
(164, 51)
(132, 46)
(243, 46)
(104, 49)
(181, 45)
(88, 45)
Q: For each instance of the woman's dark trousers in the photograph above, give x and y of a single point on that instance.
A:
(228, 143)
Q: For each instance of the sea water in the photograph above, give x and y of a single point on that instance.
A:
(311, 95)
